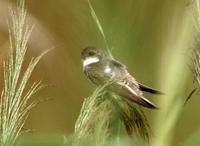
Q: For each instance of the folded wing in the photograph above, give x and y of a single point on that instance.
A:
(130, 89)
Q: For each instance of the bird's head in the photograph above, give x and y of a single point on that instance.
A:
(91, 55)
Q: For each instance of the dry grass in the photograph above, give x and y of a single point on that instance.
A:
(15, 98)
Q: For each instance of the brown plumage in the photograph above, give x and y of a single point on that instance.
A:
(100, 69)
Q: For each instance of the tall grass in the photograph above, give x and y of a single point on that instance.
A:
(175, 79)
(105, 116)
(15, 98)
(100, 28)
(94, 108)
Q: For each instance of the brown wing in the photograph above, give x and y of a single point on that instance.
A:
(129, 88)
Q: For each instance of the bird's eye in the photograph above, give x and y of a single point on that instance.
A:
(91, 53)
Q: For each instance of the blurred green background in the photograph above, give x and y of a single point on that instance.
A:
(137, 30)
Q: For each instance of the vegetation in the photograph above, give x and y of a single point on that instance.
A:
(105, 119)
(15, 98)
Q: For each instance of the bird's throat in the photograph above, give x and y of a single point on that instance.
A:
(90, 60)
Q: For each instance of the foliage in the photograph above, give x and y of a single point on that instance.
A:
(15, 98)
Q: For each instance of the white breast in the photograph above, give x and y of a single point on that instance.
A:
(90, 60)
(107, 69)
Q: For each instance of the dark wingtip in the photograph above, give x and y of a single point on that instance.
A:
(150, 105)
(154, 107)
(150, 90)
(143, 101)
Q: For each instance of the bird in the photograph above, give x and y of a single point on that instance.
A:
(99, 68)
